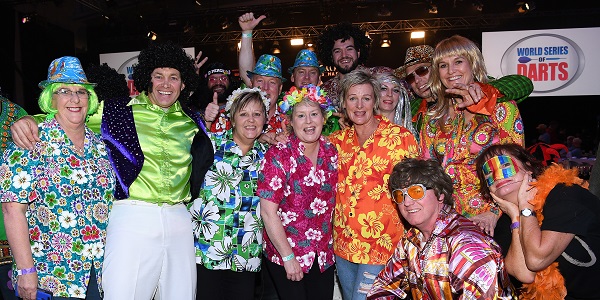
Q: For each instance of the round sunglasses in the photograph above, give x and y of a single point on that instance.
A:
(421, 71)
(415, 191)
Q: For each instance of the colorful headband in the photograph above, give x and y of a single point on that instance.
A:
(309, 92)
(236, 94)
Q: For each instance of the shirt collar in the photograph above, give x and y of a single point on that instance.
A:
(143, 99)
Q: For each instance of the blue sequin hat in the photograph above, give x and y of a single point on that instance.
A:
(66, 69)
(267, 65)
(306, 58)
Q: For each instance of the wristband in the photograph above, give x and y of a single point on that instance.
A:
(514, 226)
(288, 258)
(246, 35)
(26, 271)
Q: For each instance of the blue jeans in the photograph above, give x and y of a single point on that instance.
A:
(355, 279)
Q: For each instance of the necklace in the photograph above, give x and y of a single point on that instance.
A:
(78, 151)
(423, 259)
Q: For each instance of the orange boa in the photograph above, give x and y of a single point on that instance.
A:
(549, 283)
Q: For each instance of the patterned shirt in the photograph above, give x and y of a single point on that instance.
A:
(366, 222)
(458, 261)
(226, 216)
(69, 198)
(306, 198)
(457, 148)
(9, 112)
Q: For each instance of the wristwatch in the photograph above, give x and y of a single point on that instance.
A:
(527, 212)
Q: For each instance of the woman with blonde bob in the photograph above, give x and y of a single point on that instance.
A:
(366, 225)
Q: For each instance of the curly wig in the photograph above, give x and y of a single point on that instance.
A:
(165, 55)
(343, 31)
(109, 83)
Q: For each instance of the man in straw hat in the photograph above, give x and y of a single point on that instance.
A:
(415, 72)
(149, 244)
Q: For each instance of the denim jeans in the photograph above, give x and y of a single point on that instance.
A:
(355, 279)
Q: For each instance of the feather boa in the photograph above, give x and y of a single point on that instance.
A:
(549, 283)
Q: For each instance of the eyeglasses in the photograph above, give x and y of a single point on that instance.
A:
(66, 93)
(414, 191)
(421, 71)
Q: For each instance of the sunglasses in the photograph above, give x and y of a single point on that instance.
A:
(421, 71)
(414, 191)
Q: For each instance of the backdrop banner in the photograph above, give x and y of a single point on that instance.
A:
(560, 62)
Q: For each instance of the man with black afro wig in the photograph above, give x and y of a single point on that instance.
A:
(346, 47)
(149, 240)
(163, 56)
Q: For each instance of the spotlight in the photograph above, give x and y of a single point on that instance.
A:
(297, 42)
(417, 34)
(478, 5)
(525, 7)
(152, 35)
(26, 19)
(385, 41)
(433, 9)
(275, 49)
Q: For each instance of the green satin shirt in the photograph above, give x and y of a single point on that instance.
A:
(166, 138)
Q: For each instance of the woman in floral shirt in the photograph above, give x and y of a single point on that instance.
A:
(226, 212)
(366, 223)
(56, 196)
(297, 191)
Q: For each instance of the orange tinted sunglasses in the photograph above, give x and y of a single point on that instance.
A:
(415, 191)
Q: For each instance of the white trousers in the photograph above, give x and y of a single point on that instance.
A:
(149, 253)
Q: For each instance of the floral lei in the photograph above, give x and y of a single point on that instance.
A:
(309, 92)
(236, 94)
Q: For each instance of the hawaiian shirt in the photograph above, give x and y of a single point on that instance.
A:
(460, 143)
(366, 224)
(458, 261)
(306, 198)
(226, 215)
(69, 199)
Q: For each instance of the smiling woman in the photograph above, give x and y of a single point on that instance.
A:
(225, 210)
(69, 157)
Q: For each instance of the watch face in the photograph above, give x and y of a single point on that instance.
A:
(526, 212)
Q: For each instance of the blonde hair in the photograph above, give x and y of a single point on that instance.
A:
(358, 77)
(455, 45)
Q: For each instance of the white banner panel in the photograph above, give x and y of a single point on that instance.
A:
(123, 62)
(560, 62)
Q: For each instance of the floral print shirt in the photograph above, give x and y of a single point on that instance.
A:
(458, 261)
(458, 147)
(226, 215)
(306, 198)
(366, 223)
(69, 198)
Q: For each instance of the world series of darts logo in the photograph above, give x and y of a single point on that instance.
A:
(551, 61)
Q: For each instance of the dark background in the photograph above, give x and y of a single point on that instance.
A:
(87, 28)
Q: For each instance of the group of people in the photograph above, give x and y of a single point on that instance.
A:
(421, 187)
